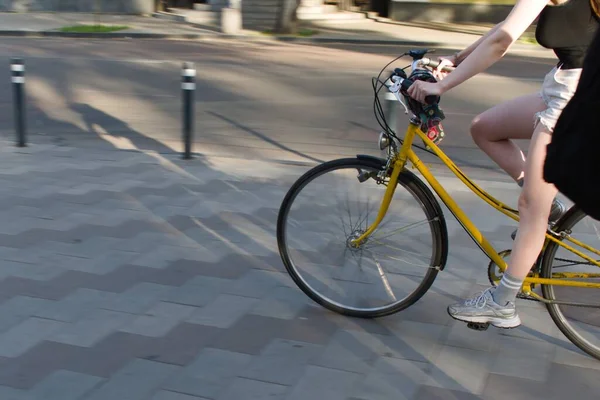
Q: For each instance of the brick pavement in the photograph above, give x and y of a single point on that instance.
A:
(128, 276)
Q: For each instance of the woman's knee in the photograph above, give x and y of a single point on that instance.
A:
(524, 203)
(480, 129)
(534, 204)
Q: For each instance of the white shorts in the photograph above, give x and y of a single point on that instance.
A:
(558, 88)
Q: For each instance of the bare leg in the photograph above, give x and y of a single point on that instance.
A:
(534, 207)
(497, 306)
(513, 119)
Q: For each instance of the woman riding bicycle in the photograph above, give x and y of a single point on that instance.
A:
(567, 27)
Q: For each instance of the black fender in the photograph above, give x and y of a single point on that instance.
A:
(371, 158)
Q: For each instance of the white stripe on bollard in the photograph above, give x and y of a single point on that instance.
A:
(17, 67)
(188, 86)
(18, 79)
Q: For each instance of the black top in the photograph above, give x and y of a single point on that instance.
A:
(568, 29)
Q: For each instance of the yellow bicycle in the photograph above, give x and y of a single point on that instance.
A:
(365, 237)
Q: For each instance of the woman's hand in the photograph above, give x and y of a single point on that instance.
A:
(450, 61)
(421, 89)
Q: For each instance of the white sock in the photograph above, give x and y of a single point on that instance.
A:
(507, 290)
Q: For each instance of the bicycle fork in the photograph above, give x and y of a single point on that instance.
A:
(399, 163)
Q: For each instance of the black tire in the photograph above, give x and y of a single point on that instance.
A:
(556, 311)
(406, 180)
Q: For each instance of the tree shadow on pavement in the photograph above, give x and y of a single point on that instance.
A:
(115, 131)
(263, 137)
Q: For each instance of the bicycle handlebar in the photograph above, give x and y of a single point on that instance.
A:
(407, 83)
(434, 64)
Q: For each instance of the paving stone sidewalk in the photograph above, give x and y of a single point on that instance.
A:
(133, 276)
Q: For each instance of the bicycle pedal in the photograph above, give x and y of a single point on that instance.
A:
(523, 296)
(478, 326)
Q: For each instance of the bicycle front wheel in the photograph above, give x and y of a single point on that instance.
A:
(581, 325)
(336, 202)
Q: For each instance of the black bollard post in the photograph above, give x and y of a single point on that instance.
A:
(17, 68)
(189, 87)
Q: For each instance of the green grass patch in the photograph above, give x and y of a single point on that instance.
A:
(307, 32)
(93, 28)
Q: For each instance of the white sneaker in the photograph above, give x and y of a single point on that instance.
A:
(482, 309)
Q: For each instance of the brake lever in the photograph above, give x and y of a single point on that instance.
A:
(395, 90)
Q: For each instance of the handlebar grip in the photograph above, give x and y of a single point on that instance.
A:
(431, 99)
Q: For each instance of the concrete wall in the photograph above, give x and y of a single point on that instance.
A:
(107, 6)
(402, 10)
(256, 14)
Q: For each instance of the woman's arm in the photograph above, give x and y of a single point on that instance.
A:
(490, 50)
(461, 55)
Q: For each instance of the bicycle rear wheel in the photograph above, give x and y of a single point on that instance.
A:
(581, 325)
(337, 201)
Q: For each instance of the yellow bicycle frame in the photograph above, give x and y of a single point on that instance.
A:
(406, 153)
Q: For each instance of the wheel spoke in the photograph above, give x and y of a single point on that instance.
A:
(364, 218)
(371, 244)
(346, 232)
(403, 229)
(352, 227)
(384, 279)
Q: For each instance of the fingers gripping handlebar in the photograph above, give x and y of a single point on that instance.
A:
(429, 116)
(434, 64)
(399, 76)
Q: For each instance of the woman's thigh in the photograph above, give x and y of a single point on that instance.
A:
(512, 119)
